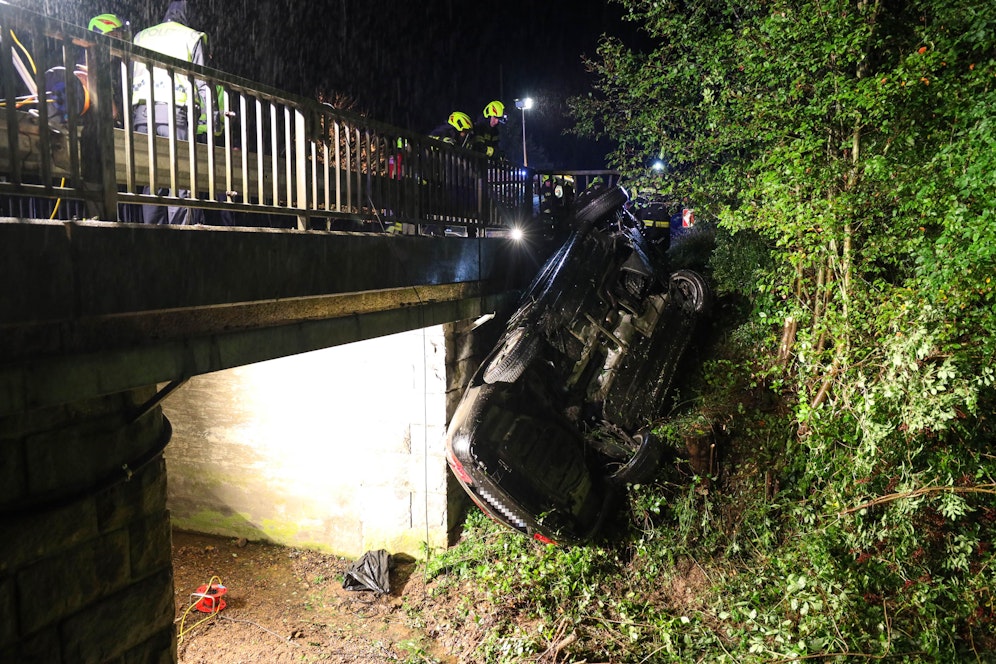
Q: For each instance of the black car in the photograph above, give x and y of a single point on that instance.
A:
(558, 416)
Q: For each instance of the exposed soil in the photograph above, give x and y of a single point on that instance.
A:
(288, 605)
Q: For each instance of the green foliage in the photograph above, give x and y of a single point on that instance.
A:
(415, 653)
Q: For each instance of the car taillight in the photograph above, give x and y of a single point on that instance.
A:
(458, 469)
(539, 537)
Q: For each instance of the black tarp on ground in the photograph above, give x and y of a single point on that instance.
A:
(370, 572)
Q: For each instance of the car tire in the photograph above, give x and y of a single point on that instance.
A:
(644, 463)
(692, 289)
(601, 205)
(512, 359)
(541, 282)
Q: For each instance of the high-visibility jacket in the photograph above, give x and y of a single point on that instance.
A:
(219, 100)
(176, 40)
(485, 137)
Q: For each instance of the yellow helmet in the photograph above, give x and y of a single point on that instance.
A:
(105, 23)
(495, 109)
(460, 121)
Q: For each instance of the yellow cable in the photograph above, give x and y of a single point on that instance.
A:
(58, 200)
(217, 607)
(34, 69)
(26, 101)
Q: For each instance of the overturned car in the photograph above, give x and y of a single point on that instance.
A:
(558, 416)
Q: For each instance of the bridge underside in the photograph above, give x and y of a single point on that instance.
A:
(94, 308)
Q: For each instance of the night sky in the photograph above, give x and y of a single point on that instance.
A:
(406, 63)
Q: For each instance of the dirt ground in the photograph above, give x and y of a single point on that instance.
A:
(288, 605)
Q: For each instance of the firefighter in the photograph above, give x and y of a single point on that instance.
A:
(171, 37)
(112, 26)
(486, 129)
(456, 130)
(55, 77)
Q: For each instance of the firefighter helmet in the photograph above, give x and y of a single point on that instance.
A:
(495, 109)
(105, 23)
(460, 121)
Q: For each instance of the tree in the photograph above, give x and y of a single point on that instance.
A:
(856, 139)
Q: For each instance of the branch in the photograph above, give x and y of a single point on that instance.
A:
(788, 341)
(922, 491)
(821, 394)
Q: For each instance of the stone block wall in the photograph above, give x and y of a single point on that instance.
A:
(85, 558)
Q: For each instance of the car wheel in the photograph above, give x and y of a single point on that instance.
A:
(693, 290)
(512, 359)
(601, 205)
(644, 463)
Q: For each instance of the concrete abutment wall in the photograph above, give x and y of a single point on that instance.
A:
(339, 450)
(85, 569)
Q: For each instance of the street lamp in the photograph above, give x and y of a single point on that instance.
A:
(523, 105)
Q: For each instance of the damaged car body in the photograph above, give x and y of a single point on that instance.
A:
(557, 418)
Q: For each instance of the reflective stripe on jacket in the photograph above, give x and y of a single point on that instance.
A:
(173, 39)
(219, 102)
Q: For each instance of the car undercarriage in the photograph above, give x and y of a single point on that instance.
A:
(560, 414)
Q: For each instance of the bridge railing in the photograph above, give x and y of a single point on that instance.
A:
(262, 156)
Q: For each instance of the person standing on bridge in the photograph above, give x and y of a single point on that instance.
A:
(55, 77)
(171, 37)
(486, 130)
(112, 26)
(456, 130)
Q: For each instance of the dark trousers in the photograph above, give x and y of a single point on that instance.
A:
(161, 214)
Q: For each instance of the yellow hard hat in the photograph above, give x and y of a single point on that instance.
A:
(495, 109)
(104, 23)
(460, 121)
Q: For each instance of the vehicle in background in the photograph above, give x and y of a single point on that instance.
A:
(558, 416)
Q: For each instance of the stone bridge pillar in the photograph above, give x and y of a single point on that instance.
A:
(85, 556)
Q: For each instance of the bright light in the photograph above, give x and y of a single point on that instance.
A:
(517, 234)
(523, 105)
(658, 165)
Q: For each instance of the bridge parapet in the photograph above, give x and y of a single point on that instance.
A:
(67, 133)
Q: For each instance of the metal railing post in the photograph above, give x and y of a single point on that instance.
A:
(301, 201)
(97, 140)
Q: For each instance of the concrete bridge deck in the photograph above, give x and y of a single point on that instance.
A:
(92, 308)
